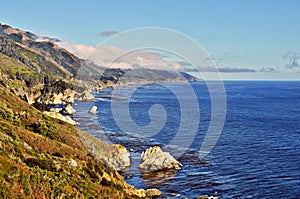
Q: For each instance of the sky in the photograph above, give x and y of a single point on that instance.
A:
(260, 35)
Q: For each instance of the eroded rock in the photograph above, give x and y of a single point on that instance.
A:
(154, 159)
(59, 116)
(86, 96)
(152, 193)
(112, 155)
(68, 110)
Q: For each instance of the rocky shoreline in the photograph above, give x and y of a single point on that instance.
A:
(116, 156)
(48, 156)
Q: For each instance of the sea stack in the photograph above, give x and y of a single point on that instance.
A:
(93, 110)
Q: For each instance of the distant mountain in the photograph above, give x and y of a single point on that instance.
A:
(30, 48)
(39, 68)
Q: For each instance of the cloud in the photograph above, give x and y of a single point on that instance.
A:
(267, 69)
(107, 33)
(81, 51)
(237, 70)
(218, 59)
(291, 58)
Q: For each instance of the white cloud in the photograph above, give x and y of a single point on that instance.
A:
(113, 57)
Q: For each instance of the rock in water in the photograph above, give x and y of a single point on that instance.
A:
(68, 110)
(154, 159)
(152, 193)
(93, 110)
(121, 156)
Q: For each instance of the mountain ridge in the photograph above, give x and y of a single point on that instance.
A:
(63, 70)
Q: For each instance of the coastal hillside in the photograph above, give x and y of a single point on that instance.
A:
(44, 157)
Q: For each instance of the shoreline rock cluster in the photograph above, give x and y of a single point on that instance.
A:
(117, 156)
(63, 114)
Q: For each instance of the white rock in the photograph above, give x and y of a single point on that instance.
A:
(70, 120)
(68, 110)
(59, 116)
(57, 110)
(72, 163)
(151, 193)
(56, 99)
(93, 110)
(154, 159)
(26, 146)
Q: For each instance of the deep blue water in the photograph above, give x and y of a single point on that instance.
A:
(256, 156)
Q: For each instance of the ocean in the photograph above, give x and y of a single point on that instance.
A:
(257, 154)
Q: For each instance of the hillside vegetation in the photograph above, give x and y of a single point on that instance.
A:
(44, 157)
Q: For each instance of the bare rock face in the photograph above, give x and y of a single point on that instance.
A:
(148, 193)
(152, 193)
(57, 110)
(85, 96)
(56, 99)
(93, 110)
(154, 159)
(66, 97)
(120, 156)
(112, 155)
(60, 117)
(68, 110)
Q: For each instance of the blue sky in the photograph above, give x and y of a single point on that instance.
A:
(238, 34)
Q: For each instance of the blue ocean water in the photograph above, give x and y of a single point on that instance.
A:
(256, 156)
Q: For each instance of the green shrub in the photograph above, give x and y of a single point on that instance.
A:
(8, 115)
(41, 106)
(44, 128)
(45, 164)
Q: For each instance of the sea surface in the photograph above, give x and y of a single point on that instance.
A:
(256, 156)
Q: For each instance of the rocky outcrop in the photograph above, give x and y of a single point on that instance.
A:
(207, 197)
(57, 110)
(142, 193)
(152, 193)
(93, 110)
(154, 159)
(115, 156)
(86, 96)
(67, 97)
(55, 99)
(68, 110)
(59, 116)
